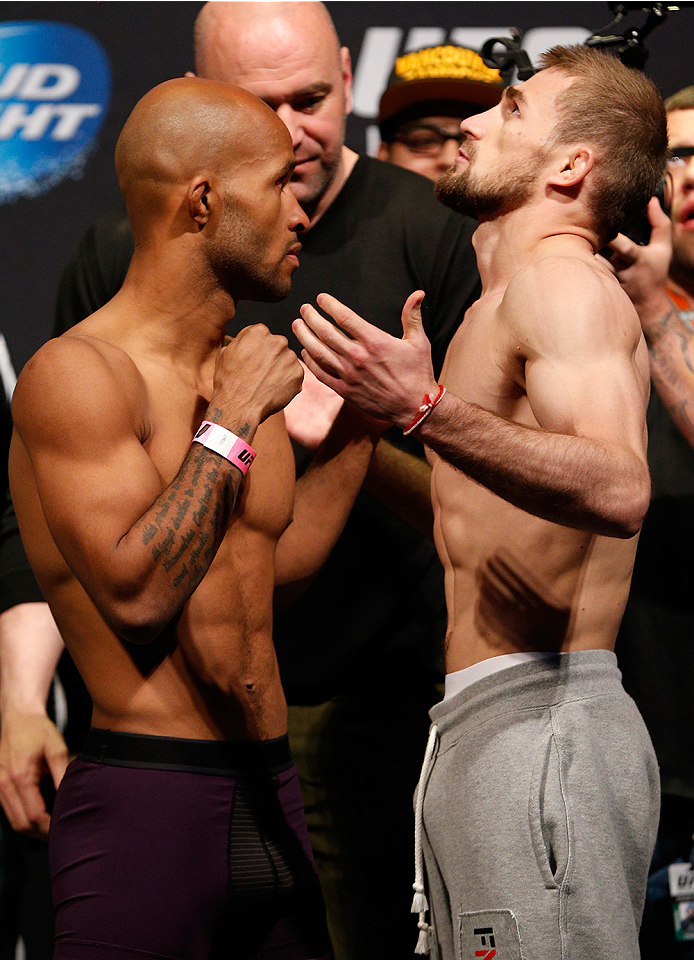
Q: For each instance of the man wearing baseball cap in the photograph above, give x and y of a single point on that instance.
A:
(429, 92)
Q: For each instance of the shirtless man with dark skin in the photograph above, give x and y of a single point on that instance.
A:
(159, 557)
(539, 796)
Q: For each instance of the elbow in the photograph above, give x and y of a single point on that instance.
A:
(134, 621)
(631, 503)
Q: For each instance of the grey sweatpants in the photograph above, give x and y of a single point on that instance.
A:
(540, 815)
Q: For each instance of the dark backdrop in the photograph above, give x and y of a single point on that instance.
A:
(150, 42)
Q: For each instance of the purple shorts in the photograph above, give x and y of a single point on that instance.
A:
(185, 849)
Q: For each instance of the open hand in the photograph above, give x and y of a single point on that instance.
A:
(379, 374)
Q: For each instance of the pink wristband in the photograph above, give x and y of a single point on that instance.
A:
(424, 410)
(226, 444)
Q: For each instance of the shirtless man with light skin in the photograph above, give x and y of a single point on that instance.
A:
(159, 557)
(539, 772)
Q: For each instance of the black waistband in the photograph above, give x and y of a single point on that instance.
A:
(233, 758)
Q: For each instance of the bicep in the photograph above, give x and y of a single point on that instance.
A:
(598, 397)
(93, 476)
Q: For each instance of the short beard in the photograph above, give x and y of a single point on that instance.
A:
(237, 259)
(500, 193)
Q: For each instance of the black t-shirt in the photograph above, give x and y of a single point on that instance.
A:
(377, 607)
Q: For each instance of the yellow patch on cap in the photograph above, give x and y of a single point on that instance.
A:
(448, 61)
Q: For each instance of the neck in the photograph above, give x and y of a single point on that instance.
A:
(174, 307)
(348, 158)
(505, 243)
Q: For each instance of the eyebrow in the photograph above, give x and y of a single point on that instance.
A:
(320, 86)
(313, 89)
(515, 94)
(287, 168)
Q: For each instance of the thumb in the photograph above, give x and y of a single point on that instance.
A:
(659, 220)
(57, 760)
(412, 316)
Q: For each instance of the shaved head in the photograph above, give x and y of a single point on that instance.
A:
(182, 127)
(223, 32)
(289, 55)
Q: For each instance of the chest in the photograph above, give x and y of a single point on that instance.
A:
(265, 500)
(485, 362)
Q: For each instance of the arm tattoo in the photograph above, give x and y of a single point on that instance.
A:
(672, 369)
(190, 518)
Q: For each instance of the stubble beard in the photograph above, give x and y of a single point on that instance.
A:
(239, 263)
(501, 192)
(311, 192)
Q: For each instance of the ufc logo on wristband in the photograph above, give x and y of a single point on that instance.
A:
(226, 444)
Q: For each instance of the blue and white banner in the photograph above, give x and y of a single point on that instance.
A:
(55, 83)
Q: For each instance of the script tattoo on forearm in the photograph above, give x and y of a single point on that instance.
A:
(672, 368)
(191, 517)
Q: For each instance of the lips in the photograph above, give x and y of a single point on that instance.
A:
(300, 164)
(293, 251)
(685, 215)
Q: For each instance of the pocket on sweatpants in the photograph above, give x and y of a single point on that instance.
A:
(547, 812)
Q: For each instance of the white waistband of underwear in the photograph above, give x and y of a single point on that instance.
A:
(455, 682)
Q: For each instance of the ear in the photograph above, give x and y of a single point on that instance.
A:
(573, 167)
(383, 151)
(198, 200)
(346, 62)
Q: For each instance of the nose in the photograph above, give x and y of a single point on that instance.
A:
(292, 121)
(688, 173)
(475, 125)
(298, 221)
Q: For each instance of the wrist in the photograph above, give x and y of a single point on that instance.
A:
(25, 706)
(429, 401)
(226, 444)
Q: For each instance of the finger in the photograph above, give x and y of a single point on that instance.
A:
(412, 316)
(334, 382)
(35, 807)
(57, 761)
(316, 348)
(325, 330)
(356, 326)
(13, 807)
(625, 248)
(661, 225)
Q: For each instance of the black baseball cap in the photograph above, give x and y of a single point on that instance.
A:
(435, 81)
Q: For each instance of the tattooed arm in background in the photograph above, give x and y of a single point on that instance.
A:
(643, 272)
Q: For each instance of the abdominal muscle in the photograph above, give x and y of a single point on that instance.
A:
(515, 582)
(211, 674)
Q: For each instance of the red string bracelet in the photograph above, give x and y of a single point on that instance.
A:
(423, 412)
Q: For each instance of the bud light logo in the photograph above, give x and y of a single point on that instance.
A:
(55, 82)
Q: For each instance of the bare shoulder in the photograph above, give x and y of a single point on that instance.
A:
(76, 378)
(574, 299)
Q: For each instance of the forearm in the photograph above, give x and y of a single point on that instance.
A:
(671, 350)
(323, 499)
(575, 481)
(402, 482)
(158, 564)
(30, 647)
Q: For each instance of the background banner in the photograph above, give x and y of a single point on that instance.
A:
(70, 73)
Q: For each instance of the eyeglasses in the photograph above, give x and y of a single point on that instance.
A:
(427, 139)
(679, 156)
